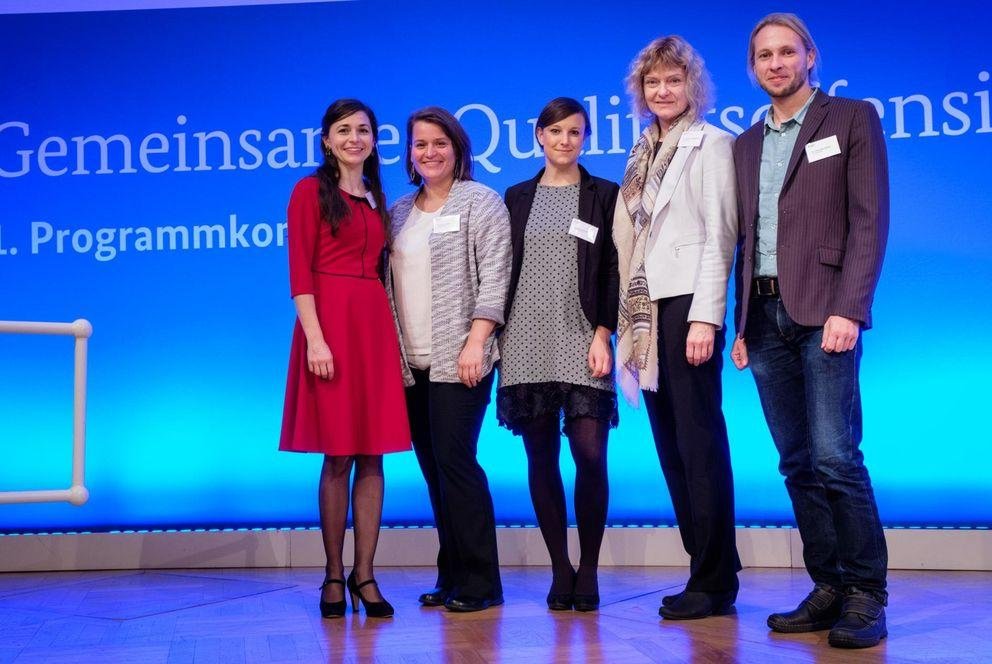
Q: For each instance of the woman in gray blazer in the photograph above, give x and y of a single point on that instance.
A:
(676, 230)
(448, 278)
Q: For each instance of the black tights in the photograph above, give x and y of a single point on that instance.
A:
(366, 509)
(587, 440)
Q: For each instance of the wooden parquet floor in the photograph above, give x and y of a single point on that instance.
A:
(270, 615)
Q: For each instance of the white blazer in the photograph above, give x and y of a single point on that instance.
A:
(693, 233)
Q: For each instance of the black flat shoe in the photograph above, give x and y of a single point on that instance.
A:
(668, 599)
(331, 609)
(468, 604)
(561, 601)
(586, 602)
(694, 605)
(820, 610)
(381, 609)
(588, 599)
(434, 597)
(861, 623)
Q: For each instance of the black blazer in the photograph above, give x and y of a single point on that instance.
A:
(599, 280)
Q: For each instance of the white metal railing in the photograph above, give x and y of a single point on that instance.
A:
(76, 493)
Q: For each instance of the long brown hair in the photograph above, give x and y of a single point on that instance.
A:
(333, 206)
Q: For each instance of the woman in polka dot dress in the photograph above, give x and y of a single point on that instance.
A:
(556, 356)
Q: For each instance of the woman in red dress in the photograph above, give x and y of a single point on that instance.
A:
(344, 394)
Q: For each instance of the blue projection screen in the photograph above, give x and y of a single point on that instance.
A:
(146, 158)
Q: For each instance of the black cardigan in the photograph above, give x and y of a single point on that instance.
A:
(599, 280)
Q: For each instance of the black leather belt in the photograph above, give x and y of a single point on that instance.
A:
(765, 287)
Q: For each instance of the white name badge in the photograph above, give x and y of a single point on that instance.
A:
(448, 223)
(583, 231)
(691, 139)
(823, 148)
(371, 199)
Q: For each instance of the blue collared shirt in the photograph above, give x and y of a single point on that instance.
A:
(776, 150)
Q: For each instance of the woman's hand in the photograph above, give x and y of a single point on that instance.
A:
(319, 359)
(699, 342)
(320, 362)
(473, 353)
(600, 357)
(470, 363)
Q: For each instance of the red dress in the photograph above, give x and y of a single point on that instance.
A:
(362, 409)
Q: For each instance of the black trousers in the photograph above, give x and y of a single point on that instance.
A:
(690, 435)
(445, 421)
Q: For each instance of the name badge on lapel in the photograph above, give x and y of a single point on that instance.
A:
(691, 139)
(448, 223)
(823, 148)
(371, 199)
(583, 231)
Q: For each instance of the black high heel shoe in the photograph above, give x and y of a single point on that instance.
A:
(332, 609)
(381, 609)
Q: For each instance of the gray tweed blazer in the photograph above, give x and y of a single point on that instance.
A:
(470, 275)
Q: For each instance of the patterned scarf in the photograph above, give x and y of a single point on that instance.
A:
(637, 348)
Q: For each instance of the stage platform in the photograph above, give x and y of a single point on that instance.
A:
(270, 615)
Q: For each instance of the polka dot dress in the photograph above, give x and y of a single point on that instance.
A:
(547, 336)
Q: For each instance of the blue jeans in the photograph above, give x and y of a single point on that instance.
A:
(812, 403)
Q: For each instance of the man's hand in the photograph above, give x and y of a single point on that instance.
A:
(840, 334)
(738, 354)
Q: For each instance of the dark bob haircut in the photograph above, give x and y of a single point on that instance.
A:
(558, 109)
(455, 133)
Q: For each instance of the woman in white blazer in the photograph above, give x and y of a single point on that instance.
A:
(676, 229)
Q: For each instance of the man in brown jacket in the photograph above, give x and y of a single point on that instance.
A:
(814, 211)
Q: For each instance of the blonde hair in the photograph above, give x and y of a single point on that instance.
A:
(671, 51)
(796, 24)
